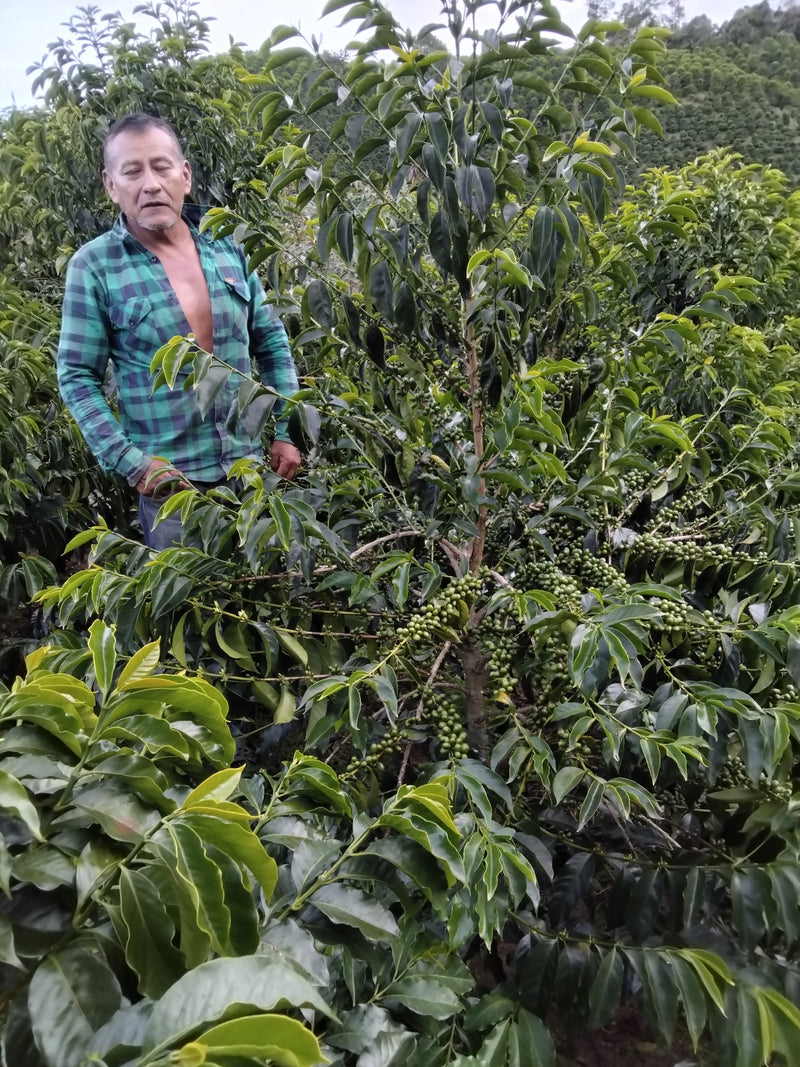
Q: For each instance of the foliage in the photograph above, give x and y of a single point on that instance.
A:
(51, 200)
(514, 664)
(50, 184)
(51, 487)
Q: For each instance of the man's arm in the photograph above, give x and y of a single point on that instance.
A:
(83, 355)
(269, 347)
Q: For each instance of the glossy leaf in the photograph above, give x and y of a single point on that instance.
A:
(229, 988)
(72, 993)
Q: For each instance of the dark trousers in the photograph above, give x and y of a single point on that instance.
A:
(169, 531)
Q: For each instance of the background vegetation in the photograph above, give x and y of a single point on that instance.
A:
(486, 728)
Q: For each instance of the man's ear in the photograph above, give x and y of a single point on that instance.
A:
(108, 183)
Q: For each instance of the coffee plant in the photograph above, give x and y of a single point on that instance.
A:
(512, 667)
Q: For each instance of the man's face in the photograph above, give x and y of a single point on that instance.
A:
(147, 176)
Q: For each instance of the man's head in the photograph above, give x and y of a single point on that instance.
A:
(145, 172)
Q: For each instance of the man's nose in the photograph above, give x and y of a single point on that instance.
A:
(151, 180)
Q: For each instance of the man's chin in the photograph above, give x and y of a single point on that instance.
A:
(156, 225)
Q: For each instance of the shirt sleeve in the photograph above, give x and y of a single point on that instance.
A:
(83, 354)
(269, 347)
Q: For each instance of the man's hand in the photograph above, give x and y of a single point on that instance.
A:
(161, 478)
(284, 459)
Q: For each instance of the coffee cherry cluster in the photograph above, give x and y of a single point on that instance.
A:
(673, 514)
(693, 551)
(500, 634)
(685, 551)
(562, 533)
(788, 693)
(676, 616)
(449, 611)
(549, 577)
(582, 747)
(635, 481)
(773, 789)
(733, 774)
(378, 751)
(549, 678)
(595, 571)
(443, 713)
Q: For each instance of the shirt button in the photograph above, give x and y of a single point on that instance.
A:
(154, 259)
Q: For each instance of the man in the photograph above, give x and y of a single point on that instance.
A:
(151, 277)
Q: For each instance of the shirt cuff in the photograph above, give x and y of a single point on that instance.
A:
(282, 431)
(133, 465)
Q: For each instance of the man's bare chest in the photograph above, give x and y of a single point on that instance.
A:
(189, 284)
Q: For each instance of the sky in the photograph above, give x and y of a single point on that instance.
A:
(29, 28)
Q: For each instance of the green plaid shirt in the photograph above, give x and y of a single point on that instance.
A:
(120, 306)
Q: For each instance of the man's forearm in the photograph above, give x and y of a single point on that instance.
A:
(83, 395)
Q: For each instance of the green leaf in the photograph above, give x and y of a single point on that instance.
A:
(350, 907)
(71, 994)
(380, 289)
(310, 775)
(752, 1045)
(606, 992)
(405, 133)
(417, 864)
(425, 996)
(156, 736)
(122, 816)
(217, 787)
(103, 646)
(201, 885)
(275, 1038)
(140, 665)
(14, 800)
(240, 843)
(529, 1042)
(591, 802)
(440, 242)
(8, 952)
(139, 773)
(692, 998)
(656, 92)
(228, 988)
(710, 970)
(292, 646)
(438, 134)
(660, 990)
(5, 867)
(319, 303)
(748, 909)
(147, 935)
(45, 867)
(405, 308)
(344, 238)
(476, 189)
(793, 658)
(565, 781)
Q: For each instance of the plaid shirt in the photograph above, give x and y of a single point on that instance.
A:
(120, 306)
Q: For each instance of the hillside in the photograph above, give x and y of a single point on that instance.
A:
(738, 86)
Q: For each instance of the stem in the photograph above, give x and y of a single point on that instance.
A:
(476, 405)
(325, 878)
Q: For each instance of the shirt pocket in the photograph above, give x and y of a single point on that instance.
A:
(135, 332)
(235, 314)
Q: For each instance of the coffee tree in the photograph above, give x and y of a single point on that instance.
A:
(530, 611)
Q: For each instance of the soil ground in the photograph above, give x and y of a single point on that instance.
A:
(624, 1043)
